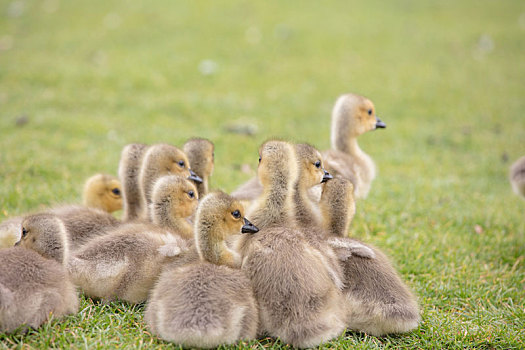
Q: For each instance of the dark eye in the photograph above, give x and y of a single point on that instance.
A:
(259, 159)
(116, 191)
(191, 194)
(236, 214)
(181, 163)
(369, 112)
(24, 232)
(317, 164)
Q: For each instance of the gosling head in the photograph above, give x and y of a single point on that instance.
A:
(201, 155)
(169, 160)
(173, 197)
(103, 192)
(277, 164)
(311, 169)
(354, 115)
(46, 234)
(220, 216)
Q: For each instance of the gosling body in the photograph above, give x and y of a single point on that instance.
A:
(32, 288)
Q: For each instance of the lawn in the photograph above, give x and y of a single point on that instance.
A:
(81, 79)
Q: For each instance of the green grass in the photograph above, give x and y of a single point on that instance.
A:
(447, 77)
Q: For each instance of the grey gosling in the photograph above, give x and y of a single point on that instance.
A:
(377, 301)
(299, 296)
(200, 153)
(352, 115)
(100, 192)
(126, 262)
(209, 302)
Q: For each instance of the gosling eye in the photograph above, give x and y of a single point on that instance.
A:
(24, 232)
(191, 194)
(181, 163)
(259, 159)
(369, 112)
(236, 214)
(116, 191)
(317, 164)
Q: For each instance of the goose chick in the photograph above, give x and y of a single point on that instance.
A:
(377, 301)
(174, 199)
(352, 115)
(160, 160)
(517, 177)
(100, 191)
(209, 302)
(126, 262)
(200, 153)
(31, 289)
(103, 192)
(298, 293)
(128, 173)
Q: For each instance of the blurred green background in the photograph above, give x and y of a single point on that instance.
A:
(80, 79)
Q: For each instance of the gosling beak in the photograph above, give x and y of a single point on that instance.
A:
(327, 176)
(194, 177)
(248, 227)
(380, 123)
(18, 243)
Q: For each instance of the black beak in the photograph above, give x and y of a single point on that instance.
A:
(194, 177)
(248, 227)
(379, 123)
(327, 176)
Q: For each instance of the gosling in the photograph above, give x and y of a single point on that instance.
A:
(377, 301)
(352, 115)
(298, 292)
(103, 192)
(209, 302)
(126, 262)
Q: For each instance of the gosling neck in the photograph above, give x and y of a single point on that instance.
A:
(305, 214)
(202, 188)
(160, 214)
(347, 145)
(275, 204)
(213, 249)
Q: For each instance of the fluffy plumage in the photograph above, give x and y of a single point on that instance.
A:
(206, 303)
(352, 116)
(128, 173)
(200, 153)
(32, 288)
